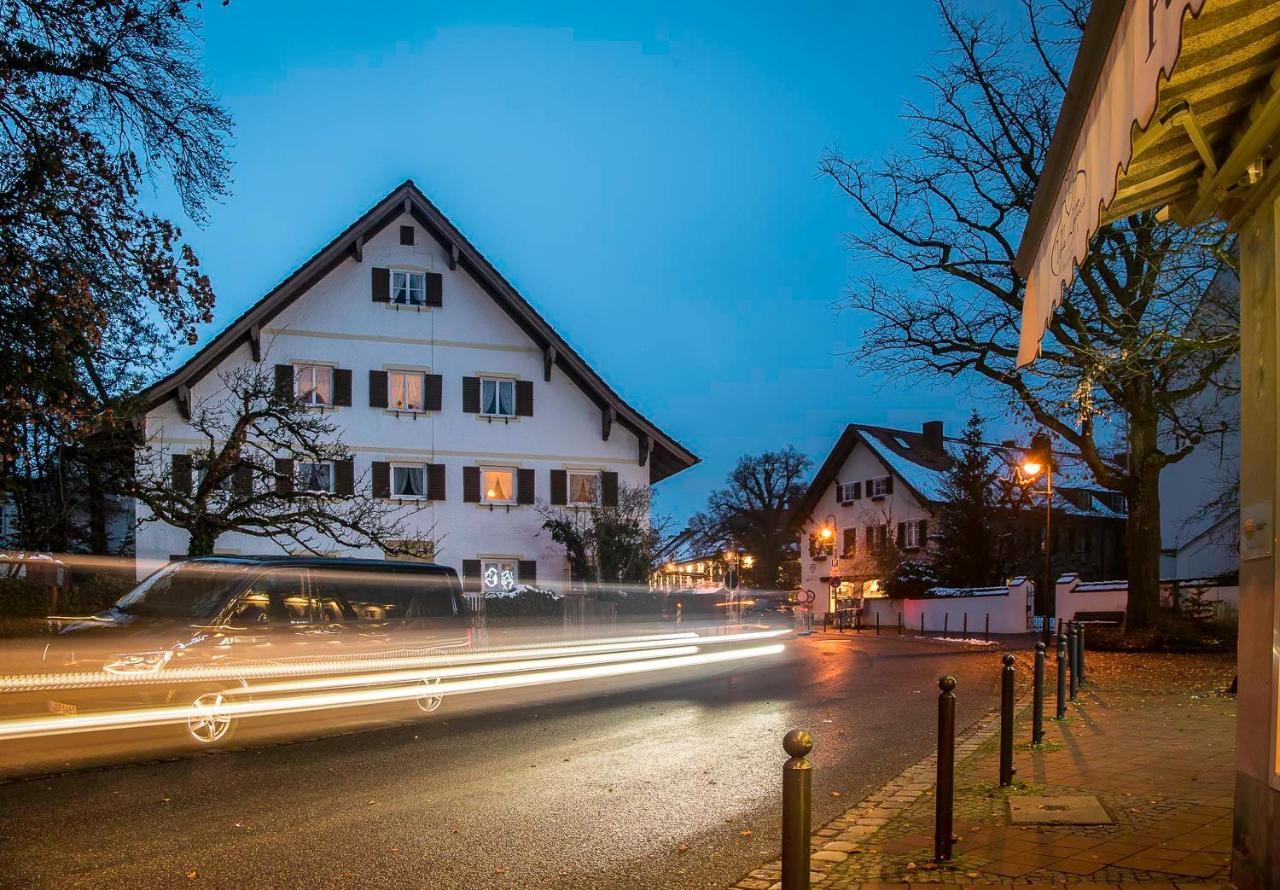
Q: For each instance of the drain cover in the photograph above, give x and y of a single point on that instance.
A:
(1070, 809)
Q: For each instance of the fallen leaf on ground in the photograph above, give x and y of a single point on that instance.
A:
(683, 848)
(745, 832)
(191, 875)
(835, 793)
(499, 870)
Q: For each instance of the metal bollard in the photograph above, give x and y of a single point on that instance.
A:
(1073, 638)
(1080, 655)
(797, 784)
(1062, 674)
(946, 616)
(965, 631)
(986, 633)
(1006, 722)
(922, 622)
(899, 624)
(942, 821)
(877, 624)
(1037, 698)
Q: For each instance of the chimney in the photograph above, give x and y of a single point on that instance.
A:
(932, 432)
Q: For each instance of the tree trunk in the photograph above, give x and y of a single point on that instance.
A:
(202, 541)
(1142, 530)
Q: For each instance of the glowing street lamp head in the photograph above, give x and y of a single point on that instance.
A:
(826, 533)
(1031, 468)
(748, 561)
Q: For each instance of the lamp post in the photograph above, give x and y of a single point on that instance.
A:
(1039, 459)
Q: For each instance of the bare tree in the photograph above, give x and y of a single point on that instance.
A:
(608, 544)
(753, 512)
(1124, 358)
(270, 467)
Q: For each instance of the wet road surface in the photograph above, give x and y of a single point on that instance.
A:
(594, 787)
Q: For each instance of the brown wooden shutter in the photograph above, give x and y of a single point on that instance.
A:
(284, 475)
(850, 542)
(381, 478)
(180, 472)
(857, 491)
(471, 485)
(609, 489)
(344, 478)
(435, 482)
(342, 387)
(527, 572)
(871, 538)
(377, 389)
(871, 488)
(524, 398)
(381, 285)
(559, 487)
(242, 481)
(434, 400)
(888, 484)
(406, 234)
(524, 486)
(902, 533)
(471, 395)
(435, 289)
(284, 381)
(923, 533)
(471, 575)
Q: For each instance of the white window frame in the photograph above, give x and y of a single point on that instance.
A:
(395, 495)
(309, 397)
(911, 535)
(297, 475)
(497, 563)
(391, 389)
(484, 491)
(408, 277)
(879, 487)
(498, 383)
(844, 492)
(569, 474)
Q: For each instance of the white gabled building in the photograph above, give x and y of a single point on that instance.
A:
(880, 486)
(450, 389)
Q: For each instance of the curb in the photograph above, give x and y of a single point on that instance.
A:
(840, 838)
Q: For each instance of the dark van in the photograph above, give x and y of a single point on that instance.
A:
(180, 636)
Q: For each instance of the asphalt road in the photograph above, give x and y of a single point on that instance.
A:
(666, 785)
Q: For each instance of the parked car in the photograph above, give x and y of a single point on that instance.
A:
(233, 613)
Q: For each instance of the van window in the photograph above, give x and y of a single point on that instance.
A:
(383, 596)
(280, 595)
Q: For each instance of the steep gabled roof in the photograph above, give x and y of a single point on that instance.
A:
(921, 465)
(664, 455)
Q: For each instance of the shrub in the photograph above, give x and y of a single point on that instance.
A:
(1169, 634)
(522, 602)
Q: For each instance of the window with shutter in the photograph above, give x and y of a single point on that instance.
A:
(344, 478)
(378, 389)
(609, 489)
(471, 395)
(382, 285)
(524, 398)
(435, 289)
(471, 485)
(342, 387)
(528, 572)
(471, 575)
(180, 471)
(435, 392)
(559, 487)
(284, 475)
(406, 235)
(284, 382)
(380, 477)
(850, 543)
(435, 482)
(524, 486)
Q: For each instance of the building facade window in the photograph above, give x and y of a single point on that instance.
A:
(584, 489)
(847, 492)
(499, 575)
(878, 488)
(314, 478)
(497, 397)
(406, 390)
(408, 288)
(911, 535)
(408, 481)
(497, 485)
(313, 384)
(412, 551)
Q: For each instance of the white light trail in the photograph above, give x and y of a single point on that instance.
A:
(46, 726)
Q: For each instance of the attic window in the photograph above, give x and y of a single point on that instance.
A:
(878, 488)
(902, 443)
(406, 234)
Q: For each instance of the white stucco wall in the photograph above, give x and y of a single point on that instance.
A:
(900, 506)
(337, 323)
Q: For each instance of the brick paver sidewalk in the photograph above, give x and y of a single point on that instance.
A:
(1151, 737)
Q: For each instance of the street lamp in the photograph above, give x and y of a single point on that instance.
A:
(1039, 459)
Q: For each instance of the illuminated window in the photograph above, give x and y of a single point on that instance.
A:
(498, 575)
(497, 397)
(405, 390)
(314, 478)
(313, 384)
(408, 288)
(584, 488)
(497, 486)
(911, 534)
(408, 481)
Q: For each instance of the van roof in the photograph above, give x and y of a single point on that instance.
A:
(327, 562)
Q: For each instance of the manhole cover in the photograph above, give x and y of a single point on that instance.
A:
(1071, 809)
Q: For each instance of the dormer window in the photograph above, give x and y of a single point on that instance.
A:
(408, 288)
(848, 492)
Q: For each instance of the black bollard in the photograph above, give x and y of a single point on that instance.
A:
(899, 624)
(1080, 655)
(877, 624)
(1037, 698)
(946, 620)
(942, 822)
(1062, 674)
(922, 622)
(1073, 639)
(965, 632)
(1006, 722)
(797, 783)
(986, 632)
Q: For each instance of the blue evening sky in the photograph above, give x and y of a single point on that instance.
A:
(647, 179)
